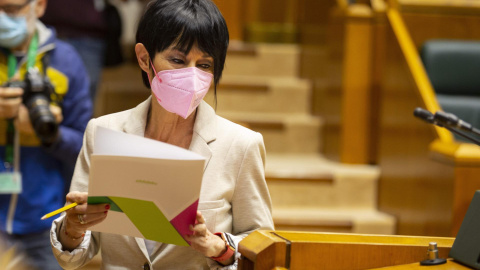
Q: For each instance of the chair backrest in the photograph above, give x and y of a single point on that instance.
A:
(453, 66)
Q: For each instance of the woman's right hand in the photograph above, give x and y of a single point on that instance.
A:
(80, 218)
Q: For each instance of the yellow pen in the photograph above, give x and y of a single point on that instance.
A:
(58, 211)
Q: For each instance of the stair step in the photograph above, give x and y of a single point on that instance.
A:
(237, 93)
(262, 94)
(240, 48)
(311, 181)
(262, 59)
(298, 166)
(282, 133)
(338, 220)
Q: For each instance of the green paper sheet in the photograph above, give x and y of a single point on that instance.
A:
(149, 220)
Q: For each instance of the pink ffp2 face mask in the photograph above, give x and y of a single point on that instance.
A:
(180, 91)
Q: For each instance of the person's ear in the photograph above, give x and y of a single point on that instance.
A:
(40, 7)
(143, 57)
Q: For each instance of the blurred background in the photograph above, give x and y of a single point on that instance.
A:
(332, 85)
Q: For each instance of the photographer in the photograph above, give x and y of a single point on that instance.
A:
(44, 102)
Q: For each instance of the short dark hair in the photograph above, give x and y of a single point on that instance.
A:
(184, 23)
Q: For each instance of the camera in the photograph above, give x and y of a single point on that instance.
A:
(37, 95)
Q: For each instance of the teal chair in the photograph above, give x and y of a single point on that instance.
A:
(453, 67)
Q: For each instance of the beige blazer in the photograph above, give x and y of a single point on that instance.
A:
(234, 196)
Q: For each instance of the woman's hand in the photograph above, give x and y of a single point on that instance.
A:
(206, 242)
(80, 218)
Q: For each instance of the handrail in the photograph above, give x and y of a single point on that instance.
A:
(460, 154)
(418, 70)
(465, 157)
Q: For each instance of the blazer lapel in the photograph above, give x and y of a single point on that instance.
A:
(204, 132)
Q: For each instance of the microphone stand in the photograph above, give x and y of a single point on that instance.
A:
(476, 141)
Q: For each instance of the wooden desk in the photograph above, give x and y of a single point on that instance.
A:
(304, 250)
(450, 265)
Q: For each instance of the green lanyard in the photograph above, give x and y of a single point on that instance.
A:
(12, 68)
(31, 56)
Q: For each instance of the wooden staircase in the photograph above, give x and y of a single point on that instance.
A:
(262, 90)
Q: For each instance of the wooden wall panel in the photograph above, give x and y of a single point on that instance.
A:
(321, 33)
(425, 199)
(233, 11)
(273, 11)
(423, 27)
(466, 183)
(415, 189)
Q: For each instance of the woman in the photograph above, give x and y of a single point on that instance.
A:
(181, 46)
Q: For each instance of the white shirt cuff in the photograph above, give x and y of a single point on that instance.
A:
(73, 257)
(217, 266)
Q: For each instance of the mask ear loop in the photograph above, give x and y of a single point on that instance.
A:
(160, 80)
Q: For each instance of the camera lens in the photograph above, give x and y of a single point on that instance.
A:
(42, 119)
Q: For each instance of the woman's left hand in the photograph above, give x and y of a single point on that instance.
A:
(203, 240)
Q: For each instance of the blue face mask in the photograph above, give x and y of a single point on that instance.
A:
(13, 30)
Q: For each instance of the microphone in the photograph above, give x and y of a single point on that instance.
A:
(451, 120)
(424, 115)
(448, 121)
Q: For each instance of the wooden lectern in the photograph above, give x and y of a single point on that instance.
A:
(268, 250)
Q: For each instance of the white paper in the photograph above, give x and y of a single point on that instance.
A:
(133, 167)
(114, 143)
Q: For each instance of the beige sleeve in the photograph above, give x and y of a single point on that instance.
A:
(89, 246)
(251, 203)
(82, 167)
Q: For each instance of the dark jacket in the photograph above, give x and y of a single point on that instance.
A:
(46, 172)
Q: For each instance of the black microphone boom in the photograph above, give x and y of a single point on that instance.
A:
(448, 121)
(451, 120)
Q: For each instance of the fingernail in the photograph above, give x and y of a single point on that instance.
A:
(105, 212)
(107, 206)
(83, 235)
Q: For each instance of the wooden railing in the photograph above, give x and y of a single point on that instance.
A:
(447, 20)
(410, 52)
(301, 250)
(462, 159)
(383, 81)
(360, 60)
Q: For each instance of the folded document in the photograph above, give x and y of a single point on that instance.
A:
(152, 187)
